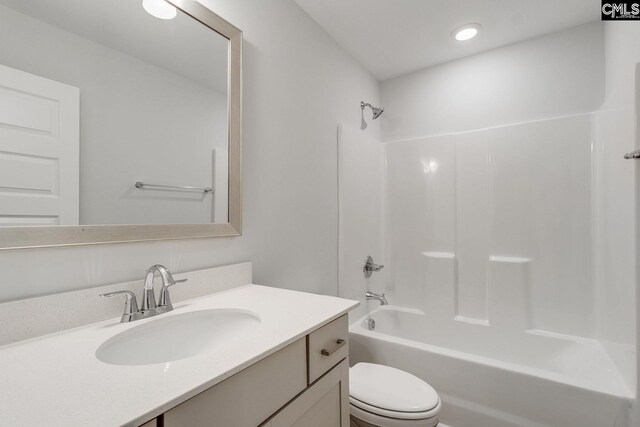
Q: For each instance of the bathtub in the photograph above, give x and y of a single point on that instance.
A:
(488, 377)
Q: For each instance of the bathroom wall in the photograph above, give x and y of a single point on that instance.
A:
(550, 76)
(617, 184)
(362, 230)
(635, 409)
(298, 84)
(117, 93)
(615, 187)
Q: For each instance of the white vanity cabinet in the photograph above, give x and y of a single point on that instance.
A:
(302, 384)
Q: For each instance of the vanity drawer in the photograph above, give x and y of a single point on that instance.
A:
(248, 397)
(327, 346)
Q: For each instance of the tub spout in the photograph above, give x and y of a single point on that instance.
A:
(378, 297)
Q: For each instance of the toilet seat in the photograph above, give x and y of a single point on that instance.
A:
(398, 415)
(378, 391)
(378, 420)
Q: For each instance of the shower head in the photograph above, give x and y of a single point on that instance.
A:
(377, 112)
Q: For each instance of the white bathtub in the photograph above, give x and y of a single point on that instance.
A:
(498, 378)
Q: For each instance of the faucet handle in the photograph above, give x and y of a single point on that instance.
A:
(130, 304)
(370, 267)
(165, 299)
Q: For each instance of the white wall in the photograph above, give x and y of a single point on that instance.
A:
(128, 130)
(617, 184)
(361, 180)
(615, 187)
(551, 76)
(298, 84)
(635, 413)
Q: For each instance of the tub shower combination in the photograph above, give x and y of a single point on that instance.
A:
(491, 297)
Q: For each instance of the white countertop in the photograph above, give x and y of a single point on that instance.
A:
(56, 380)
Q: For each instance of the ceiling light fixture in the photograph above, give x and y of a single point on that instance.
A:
(466, 32)
(160, 9)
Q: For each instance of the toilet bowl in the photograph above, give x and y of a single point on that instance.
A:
(382, 396)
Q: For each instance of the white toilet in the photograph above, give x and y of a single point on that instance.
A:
(382, 396)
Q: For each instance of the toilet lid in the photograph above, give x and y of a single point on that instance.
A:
(391, 389)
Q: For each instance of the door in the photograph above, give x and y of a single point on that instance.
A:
(39, 150)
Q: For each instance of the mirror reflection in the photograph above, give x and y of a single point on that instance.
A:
(98, 96)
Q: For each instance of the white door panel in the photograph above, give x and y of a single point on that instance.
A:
(39, 150)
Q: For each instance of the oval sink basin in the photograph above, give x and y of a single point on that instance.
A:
(179, 336)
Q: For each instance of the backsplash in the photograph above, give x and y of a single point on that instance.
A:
(33, 317)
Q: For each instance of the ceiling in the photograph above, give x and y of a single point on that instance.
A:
(182, 45)
(396, 37)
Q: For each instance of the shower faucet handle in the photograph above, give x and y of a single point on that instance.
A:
(369, 267)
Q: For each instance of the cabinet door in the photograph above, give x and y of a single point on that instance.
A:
(249, 397)
(324, 404)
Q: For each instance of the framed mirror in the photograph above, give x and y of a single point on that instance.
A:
(120, 121)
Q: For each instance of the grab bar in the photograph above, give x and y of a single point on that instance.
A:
(633, 155)
(141, 184)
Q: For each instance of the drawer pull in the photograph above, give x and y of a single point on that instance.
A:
(339, 344)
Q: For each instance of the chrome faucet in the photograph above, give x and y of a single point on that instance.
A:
(369, 267)
(378, 297)
(149, 306)
(149, 298)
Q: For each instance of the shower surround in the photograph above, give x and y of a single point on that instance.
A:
(488, 240)
(494, 225)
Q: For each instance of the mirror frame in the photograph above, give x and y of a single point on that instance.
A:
(71, 235)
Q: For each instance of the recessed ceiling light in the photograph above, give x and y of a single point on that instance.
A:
(160, 9)
(466, 32)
